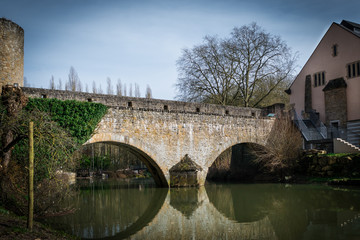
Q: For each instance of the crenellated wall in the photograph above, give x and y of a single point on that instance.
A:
(143, 103)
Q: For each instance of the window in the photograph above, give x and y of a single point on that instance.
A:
(129, 104)
(353, 69)
(319, 79)
(335, 50)
(197, 110)
(166, 108)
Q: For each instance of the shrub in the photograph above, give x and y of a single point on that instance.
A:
(282, 149)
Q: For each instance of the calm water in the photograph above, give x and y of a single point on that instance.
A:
(138, 210)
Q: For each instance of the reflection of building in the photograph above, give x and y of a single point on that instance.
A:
(327, 89)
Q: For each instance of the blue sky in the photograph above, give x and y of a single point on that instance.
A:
(139, 41)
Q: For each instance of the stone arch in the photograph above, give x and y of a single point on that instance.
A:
(234, 162)
(152, 166)
(222, 148)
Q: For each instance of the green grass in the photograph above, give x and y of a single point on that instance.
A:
(340, 154)
(327, 179)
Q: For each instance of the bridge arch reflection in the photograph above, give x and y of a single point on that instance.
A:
(111, 210)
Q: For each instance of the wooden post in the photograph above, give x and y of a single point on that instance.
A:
(31, 177)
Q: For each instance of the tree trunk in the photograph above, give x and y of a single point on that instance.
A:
(14, 100)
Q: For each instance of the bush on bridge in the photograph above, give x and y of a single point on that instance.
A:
(79, 118)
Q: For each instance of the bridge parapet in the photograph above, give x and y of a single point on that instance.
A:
(148, 104)
(161, 132)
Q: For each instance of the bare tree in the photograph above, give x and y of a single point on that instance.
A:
(148, 93)
(109, 86)
(119, 88)
(79, 87)
(137, 90)
(86, 88)
(73, 83)
(100, 91)
(59, 84)
(125, 94)
(283, 147)
(229, 71)
(131, 90)
(94, 87)
(26, 82)
(52, 83)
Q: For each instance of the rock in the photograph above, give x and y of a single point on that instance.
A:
(326, 168)
(121, 175)
(323, 162)
(332, 160)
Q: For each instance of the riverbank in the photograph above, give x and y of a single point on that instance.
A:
(14, 227)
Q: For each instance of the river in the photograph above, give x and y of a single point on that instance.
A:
(136, 209)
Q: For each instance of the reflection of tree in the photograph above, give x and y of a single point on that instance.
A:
(293, 212)
(105, 212)
(240, 202)
(296, 210)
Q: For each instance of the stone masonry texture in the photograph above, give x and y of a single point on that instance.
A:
(11, 53)
(161, 136)
(162, 139)
(336, 106)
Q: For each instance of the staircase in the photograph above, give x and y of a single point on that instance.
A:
(309, 129)
(315, 134)
(342, 146)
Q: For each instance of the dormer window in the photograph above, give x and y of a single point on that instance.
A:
(335, 50)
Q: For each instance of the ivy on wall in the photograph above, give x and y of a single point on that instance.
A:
(79, 118)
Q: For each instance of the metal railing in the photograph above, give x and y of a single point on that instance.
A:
(322, 129)
(316, 133)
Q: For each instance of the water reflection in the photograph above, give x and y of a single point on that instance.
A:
(224, 211)
(293, 212)
(185, 200)
(117, 208)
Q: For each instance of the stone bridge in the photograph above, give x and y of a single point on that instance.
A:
(162, 132)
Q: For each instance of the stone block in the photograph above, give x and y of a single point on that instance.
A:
(184, 173)
(332, 160)
(326, 168)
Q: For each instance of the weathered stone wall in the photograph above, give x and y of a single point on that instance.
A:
(162, 132)
(336, 106)
(331, 166)
(11, 53)
(144, 103)
(163, 138)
